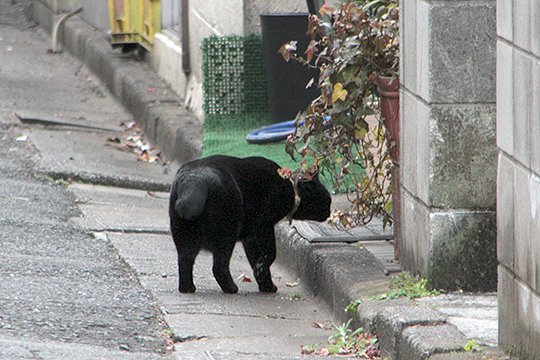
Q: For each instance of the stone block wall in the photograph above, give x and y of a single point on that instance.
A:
(518, 187)
(448, 146)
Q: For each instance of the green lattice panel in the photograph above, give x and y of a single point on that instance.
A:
(233, 74)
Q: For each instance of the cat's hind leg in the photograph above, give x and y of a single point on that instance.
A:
(222, 273)
(187, 248)
(186, 259)
(261, 253)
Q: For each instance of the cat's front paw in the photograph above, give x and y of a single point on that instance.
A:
(268, 288)
(230, 289)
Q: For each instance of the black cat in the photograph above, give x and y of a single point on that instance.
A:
(219, 200)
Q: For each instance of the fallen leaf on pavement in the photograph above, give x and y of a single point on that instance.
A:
(307, 350)
(244, 278)
(293, 284)
(114, 139)
(136, 143)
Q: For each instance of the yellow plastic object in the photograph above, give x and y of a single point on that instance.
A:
(134, 22)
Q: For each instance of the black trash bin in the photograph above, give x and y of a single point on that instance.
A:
(286, 81)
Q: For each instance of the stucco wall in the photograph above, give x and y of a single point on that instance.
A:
(518, 140)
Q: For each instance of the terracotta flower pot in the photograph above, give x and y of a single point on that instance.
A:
(388, 89)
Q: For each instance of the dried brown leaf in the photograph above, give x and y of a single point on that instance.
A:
(244, 278)
(292, 284)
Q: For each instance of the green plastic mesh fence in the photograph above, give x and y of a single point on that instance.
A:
(233, 72)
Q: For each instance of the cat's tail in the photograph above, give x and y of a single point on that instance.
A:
(191, 199)
(192, 188)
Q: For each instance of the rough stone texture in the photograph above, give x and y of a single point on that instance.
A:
(463, 252)
(461, 34)
(390, 323)
(420, 342)
(475, 315)
(453, 249)
(463, 157)
(14, 348)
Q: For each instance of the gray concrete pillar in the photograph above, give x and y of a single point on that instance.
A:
(448, 146)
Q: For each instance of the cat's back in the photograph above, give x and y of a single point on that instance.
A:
(238, 166)
(203, 182)
(199, 185)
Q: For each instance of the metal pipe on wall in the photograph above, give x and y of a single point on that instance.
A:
(184, 13)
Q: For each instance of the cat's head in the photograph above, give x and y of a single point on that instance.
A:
(315, 199)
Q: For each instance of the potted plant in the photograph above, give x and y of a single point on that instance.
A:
(352, 47)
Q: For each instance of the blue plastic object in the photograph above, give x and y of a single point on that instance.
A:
(272, 133)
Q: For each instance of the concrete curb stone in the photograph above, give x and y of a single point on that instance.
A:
(422, 341)
(342, 273)
(391, 322)
(330, 270)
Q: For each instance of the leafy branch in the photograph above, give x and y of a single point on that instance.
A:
(342, 131)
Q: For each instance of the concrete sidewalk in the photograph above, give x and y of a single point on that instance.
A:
(435, 327)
